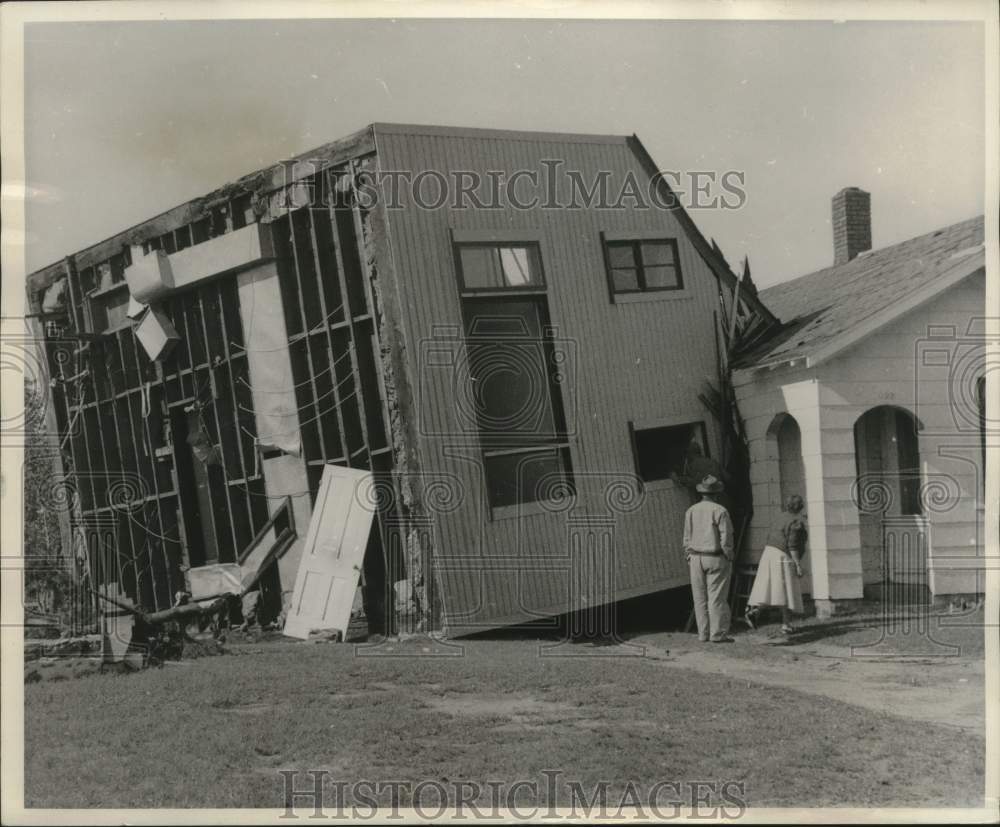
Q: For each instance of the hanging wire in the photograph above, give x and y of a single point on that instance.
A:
(313, 403)
(145, 527)
(265, 496)
(292, 339)
(323, 372)
(322, 413)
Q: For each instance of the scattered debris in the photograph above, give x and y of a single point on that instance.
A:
(159, 636)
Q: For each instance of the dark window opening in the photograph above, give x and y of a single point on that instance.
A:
(662, 453)
(88, 280)
(643, 266)
(201, 230)
(182, 235)
(511, 393)
(218, 224)
(908, 454)
(242, 212)
(118, 264)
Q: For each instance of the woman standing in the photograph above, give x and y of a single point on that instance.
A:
(780, 567)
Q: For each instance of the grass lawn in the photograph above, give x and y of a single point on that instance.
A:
(214, 732)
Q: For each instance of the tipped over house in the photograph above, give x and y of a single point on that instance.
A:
(505, 371)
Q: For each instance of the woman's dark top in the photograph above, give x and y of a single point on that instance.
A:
(788, 532)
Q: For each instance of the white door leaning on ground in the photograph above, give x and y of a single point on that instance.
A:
(333, 553)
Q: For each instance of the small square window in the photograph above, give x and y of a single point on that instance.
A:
(662, 453)
(643, 266)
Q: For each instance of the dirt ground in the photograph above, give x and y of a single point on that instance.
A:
(799, 722)
(924, 668)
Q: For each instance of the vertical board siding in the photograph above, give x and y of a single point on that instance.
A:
(634, 362)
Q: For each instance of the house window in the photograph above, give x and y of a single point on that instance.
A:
(512, 361)
(664, 453)
(643, 266)
(499, 266)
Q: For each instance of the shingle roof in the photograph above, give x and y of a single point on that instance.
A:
(817, 308)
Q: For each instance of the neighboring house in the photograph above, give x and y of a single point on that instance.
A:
(869, 403)
(522, 379)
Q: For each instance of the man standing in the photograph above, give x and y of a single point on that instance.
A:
(708, 549)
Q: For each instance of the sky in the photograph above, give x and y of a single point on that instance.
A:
(125, 120)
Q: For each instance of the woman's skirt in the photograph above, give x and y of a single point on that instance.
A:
(776, 583)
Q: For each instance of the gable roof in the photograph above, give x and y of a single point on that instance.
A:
(824, 312)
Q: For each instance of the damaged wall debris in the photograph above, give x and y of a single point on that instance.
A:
(207, 365)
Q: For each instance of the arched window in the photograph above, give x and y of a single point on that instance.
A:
(785, 448)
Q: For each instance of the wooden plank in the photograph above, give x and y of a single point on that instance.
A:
(237, 433)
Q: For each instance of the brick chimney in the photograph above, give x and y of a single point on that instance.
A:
(852, 224)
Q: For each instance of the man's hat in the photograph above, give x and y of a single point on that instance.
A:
(710, 485)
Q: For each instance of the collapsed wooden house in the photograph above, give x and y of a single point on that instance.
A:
(522, 379)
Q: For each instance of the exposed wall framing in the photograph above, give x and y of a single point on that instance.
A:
(126, 443)
(136, 430)
(330, 305)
